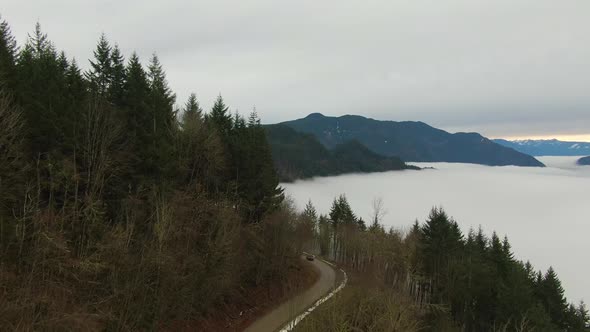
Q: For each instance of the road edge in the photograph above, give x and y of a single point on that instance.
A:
(293, 323)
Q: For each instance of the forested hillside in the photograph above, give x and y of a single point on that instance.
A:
(433, 277)
(410, 140)
(299, 156)
(118, 211)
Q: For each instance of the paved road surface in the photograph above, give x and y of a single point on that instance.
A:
(287, 311)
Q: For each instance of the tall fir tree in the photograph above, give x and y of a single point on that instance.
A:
(116, 90)
(161, 104)
(8, 57)
(553, 298)
(138, 119)
(42, 91)
(221, 118)
(101, 68)
(192, 111)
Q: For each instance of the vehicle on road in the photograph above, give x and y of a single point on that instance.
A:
(309, 257)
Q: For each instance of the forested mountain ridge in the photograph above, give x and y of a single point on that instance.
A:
(410, 141)
(119, 211)
(299, 156)
(550, 147)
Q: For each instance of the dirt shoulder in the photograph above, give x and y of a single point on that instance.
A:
(253, 303)
(290, 309)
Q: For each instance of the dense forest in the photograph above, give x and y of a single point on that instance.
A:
(298, 156)
(121, 211)
(433, 278)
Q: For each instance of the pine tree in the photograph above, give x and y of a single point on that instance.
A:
(310, 212)
(192, 111)
(553, 299)
(256, 177)
(100, 74)
(138, 119)
(361, 224)
(163, 128)
(325, 235)
(116, 91)
(220, 118)
(42, 92)
(8, 56)
(441, 243)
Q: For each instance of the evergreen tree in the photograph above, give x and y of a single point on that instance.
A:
(324, 234)
(361, 224)
(441, 244)
(220, 118)
(116, 91)
(310, 212)
(255, 175)
(42, 92)
(101, 71)
(553, 299)
(192, 110)
(8, 56)
(138, 119)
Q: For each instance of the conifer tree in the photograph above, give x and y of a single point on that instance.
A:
(101, 69)
(8, 56)
(138, 118)
(192, 110)
(116, 91)
(310, 212)
(163, 127)
(553, 299)
(220, 118)
(42, 92)
(441, 242)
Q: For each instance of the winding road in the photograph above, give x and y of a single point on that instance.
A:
(289, 310)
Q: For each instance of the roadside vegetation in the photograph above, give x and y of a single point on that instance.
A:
(119, 211)
(433, 278)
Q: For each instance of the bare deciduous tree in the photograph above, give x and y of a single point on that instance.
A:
(378, 211)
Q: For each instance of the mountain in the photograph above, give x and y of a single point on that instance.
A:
(297, 156)
(551, 147)
(411, 141)
(585, 161)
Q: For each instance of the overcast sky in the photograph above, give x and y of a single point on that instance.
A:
(502, 67)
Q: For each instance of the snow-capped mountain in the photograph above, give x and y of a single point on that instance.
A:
(550, 147)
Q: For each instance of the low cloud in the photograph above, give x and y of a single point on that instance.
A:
(544, 212)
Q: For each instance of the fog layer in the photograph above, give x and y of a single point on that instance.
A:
(544, 212)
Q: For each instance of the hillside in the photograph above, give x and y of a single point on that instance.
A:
(411, 141)
(299, 156)
(585, 161)
(551, 147)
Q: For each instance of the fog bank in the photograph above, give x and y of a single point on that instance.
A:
(544, 211)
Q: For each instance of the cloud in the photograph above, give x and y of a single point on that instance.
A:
(543, 211)
(458, 64)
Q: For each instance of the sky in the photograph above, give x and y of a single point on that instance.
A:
(544, 214)
(503, 68)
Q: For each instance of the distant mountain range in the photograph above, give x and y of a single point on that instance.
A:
(298, 156)
(585, 161)
(551, 147)
(409, 141)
